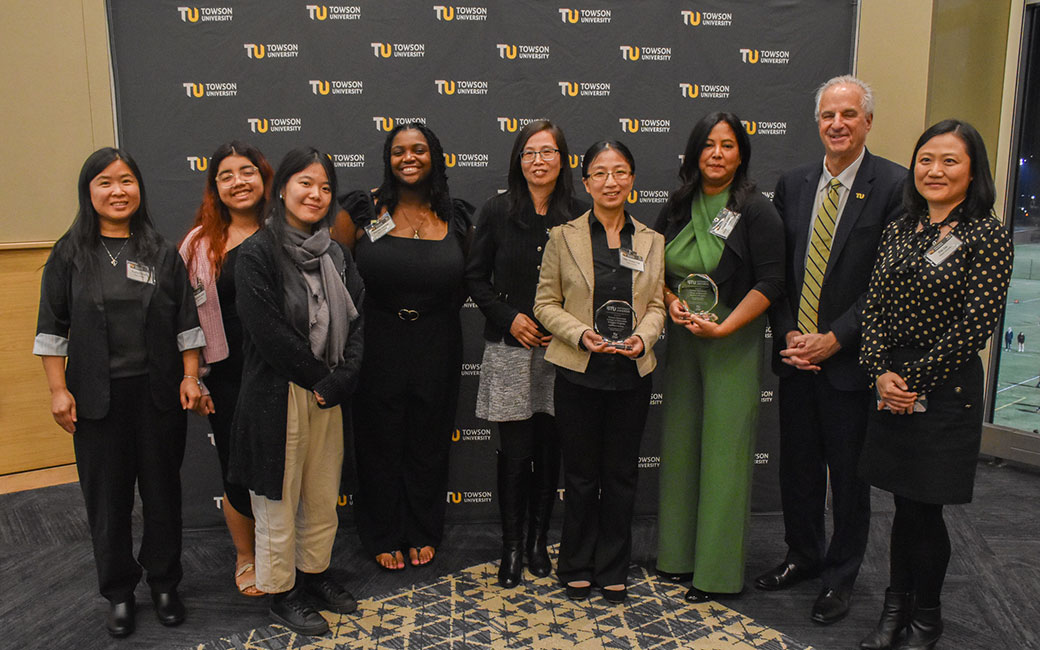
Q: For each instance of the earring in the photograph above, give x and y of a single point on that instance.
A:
(280, 197)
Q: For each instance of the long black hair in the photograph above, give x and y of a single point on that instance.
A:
(690, 170)
(436, 183)
(295, 162)
(563, 191)
(84, 234)
(981, 193)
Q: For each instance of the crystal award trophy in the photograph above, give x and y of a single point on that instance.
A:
(615, 321)
(699, 294)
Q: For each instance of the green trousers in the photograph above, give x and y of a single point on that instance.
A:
(711, 397)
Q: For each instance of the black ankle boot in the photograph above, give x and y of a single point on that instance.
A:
(925, 628)
(895, 615)
(513, 478)
(543, 497)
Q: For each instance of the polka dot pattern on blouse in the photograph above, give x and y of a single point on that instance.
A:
(948, 309)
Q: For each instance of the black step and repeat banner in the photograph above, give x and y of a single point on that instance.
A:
(282, 74)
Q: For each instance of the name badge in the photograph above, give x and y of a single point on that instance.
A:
(724, 222)
(200, 295)
(631, 259)
(943, 248)
(380, 226)
(140, 272)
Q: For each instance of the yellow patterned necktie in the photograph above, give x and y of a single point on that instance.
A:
(816, 260)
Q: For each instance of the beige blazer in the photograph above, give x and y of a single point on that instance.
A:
(563, 303)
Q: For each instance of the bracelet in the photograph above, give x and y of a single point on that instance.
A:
(197, 382)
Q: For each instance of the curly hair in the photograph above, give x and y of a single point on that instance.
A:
(436, 184)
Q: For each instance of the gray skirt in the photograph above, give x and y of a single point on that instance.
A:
(515, 383)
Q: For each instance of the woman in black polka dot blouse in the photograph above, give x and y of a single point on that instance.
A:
(935, 297)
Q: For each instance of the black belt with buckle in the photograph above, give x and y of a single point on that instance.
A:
(407, 314)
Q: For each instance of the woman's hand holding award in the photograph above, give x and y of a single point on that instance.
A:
(615, 321)
(699, 294)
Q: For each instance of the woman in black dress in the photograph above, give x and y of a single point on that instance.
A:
(516, 382)
(232, 204)
(936, 294)
(409, 239)
(115, 304)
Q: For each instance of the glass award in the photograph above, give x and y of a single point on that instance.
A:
(699, 294)
(615, 321)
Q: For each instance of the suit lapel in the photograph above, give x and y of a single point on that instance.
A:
(579, 244)
(642, 241)
(149, 287)
(804, 214)
(857, 198)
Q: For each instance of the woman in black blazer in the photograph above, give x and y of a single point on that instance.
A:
(516, 383)
(717, 225)
(115, 304)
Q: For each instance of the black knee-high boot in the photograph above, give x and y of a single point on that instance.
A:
(514, 477)
(543, 496)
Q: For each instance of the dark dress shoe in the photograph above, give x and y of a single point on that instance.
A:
(578, 593)
(786, 574)
(696, 596)
(926, 626)
(120, 621)
(895, 615)
(674, 577)
(615, 596)
(327, 594)
(298, 615)
(830, 607)
(168, 607)
(512, 565)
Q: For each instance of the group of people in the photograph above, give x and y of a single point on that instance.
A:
(321, 332)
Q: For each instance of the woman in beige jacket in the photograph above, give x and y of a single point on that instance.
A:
(603, 377)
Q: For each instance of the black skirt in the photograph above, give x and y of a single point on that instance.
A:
(929, 457)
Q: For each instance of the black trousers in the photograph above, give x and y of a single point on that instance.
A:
(134, 443)
(821, 429)
(600, 432)
(404, 416)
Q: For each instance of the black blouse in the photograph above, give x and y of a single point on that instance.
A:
(947, 310)
(611, 281)
(124, 313)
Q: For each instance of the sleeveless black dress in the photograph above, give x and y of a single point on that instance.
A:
(405, 406)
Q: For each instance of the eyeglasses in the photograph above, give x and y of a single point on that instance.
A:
(547, 155)
(621, 175)
(246, 174)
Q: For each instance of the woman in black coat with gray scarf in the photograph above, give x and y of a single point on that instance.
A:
(298, 293)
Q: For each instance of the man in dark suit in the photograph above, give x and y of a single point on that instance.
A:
(833, 214)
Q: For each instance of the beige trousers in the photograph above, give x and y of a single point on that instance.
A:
(297, 531)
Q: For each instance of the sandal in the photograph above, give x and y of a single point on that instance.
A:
(397, 557)
(245, 580)
(415, 554)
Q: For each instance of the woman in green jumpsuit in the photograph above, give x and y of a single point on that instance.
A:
(717, 225)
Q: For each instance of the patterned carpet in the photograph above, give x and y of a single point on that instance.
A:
(468, 610)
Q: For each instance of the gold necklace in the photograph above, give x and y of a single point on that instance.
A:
(411, 222)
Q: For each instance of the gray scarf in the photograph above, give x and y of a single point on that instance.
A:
(316, 295)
